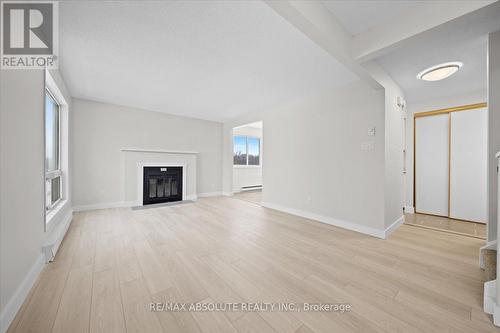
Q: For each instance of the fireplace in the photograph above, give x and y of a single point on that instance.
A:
(162, 184)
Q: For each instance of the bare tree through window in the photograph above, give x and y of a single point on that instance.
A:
(246, 150)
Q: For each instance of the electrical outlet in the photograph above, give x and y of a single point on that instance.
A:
(372, 131)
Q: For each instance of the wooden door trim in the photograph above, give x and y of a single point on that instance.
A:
(434, 113)
(452, 109)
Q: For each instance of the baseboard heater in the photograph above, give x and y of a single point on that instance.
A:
(52, 244)
(251, 188)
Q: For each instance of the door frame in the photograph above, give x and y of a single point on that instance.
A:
(434, 113)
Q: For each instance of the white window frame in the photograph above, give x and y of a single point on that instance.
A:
(52, 215)
(246, 149)
(49, 175)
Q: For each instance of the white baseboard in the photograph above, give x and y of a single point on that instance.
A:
(243, 189)
(492, 245)
(17, 300)
(251, 188)
(390, 229)
(328, 220)
(227, 194)
(50, 246)
(489, 295)
(496, 315)
(54, 240)
(191, 197)
(103, 205)
(209, 194)
(410, 209)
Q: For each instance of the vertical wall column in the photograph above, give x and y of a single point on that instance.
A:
(493, 131)
(227, 159)
(493, 148)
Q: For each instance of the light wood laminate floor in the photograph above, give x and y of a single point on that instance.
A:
(252, 196)
(114, 262)
(445, 224)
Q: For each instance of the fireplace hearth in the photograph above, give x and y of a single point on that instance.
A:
(162, 184)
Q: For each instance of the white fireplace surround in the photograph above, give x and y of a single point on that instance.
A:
(140, 180)
(136, 159)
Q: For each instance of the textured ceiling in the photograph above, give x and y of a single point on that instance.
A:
(357, 16)
(405, 64)
(213, 60)
(463, 39)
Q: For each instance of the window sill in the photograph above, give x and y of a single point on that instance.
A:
(50, 215)
(246, 166)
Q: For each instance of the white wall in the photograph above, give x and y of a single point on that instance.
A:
(394, 146)
(22, 176)
(493, 129)
(248, 175)
(101, 130)
(22, 167)
(394, 161)
(314, 161)
(314, 165)
(430, 105)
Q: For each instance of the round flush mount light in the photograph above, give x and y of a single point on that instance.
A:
(439, 72)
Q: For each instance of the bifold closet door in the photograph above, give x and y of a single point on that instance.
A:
(431, 164)
(468, 171)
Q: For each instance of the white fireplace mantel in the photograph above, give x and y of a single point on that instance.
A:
(144, 150)
(136, 159)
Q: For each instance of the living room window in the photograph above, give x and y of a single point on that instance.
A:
(53, 174)
(246, 150)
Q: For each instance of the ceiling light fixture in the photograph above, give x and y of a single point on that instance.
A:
(439, 72)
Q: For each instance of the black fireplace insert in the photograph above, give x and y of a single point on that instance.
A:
(162, 184)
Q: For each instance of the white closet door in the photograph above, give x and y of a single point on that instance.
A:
(431, 164)
(468, 176)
